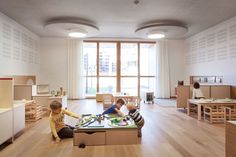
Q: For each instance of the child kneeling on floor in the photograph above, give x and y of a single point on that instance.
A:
(56, 118)
(136, 116)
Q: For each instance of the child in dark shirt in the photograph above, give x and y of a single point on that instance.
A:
(115, 109)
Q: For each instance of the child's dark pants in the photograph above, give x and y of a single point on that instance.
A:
(66, 132)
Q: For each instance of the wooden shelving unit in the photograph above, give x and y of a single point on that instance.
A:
(33, 111)
(206, 79)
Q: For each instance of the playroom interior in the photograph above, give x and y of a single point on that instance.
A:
(135, 78)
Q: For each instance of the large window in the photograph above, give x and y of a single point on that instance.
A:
(127, 67)
(90, 67)
(129, 59)
(107, 67)
(147, 67)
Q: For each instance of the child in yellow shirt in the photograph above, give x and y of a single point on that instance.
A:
(56, 118)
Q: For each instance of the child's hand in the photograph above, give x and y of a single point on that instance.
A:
(80, 119)
(58, 140)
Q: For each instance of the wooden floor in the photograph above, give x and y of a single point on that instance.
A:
(167, 132)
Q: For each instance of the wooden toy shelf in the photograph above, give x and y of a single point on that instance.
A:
(33, 112)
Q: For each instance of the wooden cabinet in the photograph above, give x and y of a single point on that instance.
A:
(19, 117)
(230, 139)
(220, 91)
(183, 94)
(6, 109)
(6, 129)
(209, 91)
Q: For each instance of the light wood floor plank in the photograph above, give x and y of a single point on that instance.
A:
(167, 132)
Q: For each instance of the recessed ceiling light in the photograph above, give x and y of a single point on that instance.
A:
(156, 36)
(77, 34)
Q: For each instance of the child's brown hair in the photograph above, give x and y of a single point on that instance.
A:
(55, 105)
(120, 101)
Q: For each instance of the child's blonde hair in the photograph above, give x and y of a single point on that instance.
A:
(55, 105)
(130, 106)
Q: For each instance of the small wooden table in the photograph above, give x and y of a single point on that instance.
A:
(205, 102)
(104, 134)
(125, 97)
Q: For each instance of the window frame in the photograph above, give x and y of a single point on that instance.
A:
(118, 58)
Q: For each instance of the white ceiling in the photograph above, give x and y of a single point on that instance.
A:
(120, 18)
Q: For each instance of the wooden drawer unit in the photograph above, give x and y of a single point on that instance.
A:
(125, 137)
(90, 138)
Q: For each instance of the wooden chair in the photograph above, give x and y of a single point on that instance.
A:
(214, 113)
(230, 113)
(107, 101)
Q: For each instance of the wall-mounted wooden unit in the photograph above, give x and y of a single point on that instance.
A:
(24, 80)
(24, 92)
(206, 79)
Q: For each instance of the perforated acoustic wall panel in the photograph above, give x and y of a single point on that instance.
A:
(213, 51)
(19, 48)
(216, 43)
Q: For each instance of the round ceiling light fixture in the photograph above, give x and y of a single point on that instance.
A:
(156, 35)
(77, 34)
(72, 28)
(158, 30)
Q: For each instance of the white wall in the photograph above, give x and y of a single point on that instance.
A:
(213, 52)
(54, 62)
(176, 62)
(19, 49)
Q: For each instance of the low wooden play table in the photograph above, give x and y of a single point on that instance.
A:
(105, 134)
